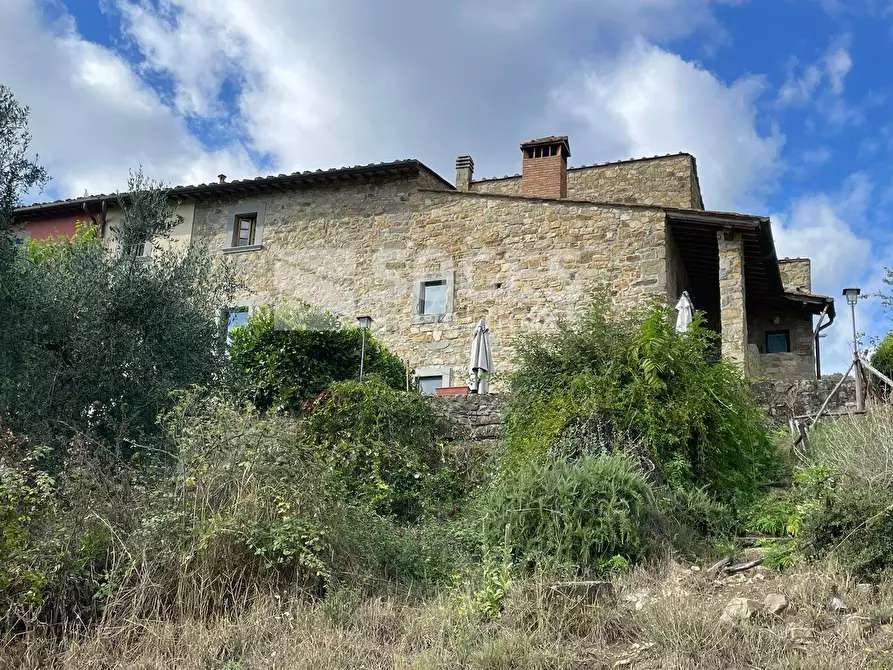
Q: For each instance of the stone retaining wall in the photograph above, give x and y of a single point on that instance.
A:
(480, 417)
(784, 399)
(475, 417)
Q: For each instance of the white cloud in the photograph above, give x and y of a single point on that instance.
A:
(327, 84)
(825, 228)
(838, 64)
(653, 102)
(92, 118)
(822, 82)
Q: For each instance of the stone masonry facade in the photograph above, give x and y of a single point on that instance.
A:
(668, 181)
(520, 263)
(427, 260)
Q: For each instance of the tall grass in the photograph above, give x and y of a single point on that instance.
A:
(858, 447)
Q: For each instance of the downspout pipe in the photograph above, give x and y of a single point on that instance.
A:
(816, 335)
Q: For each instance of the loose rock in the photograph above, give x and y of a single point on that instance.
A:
(775, 603)
(740, 609)
(799, 633)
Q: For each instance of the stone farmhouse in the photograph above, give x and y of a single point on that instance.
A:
(426, 258)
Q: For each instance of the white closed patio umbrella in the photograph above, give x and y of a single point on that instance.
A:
(685, 312)
(481, 359)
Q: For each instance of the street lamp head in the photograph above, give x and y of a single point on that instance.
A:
(852, 295)
(365, 322)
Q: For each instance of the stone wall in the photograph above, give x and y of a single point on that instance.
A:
(796, 274)
(732, 299)
(786, 399)
(480, 417)
(473, 417)
(800, 362)
(668, 181)
(520, 263)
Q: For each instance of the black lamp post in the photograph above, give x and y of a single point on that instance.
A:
(365, 324)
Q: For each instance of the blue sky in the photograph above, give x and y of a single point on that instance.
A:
(785, 103)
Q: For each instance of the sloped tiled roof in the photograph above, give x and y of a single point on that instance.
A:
(245, 186)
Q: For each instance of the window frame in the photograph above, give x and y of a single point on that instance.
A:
(246, 209)
(787, 336)
(225, 312)
(237, 229)
(423, 293)
(418, 292)
(443, 371)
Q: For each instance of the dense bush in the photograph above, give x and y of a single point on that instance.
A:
(285, 356)
(854, 525)
(384, 446)
(582, 514)
(93, 341)
(611, 381)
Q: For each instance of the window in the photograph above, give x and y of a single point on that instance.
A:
(137, 250)
(235, 317)
(428, 384)
(433, 297)
(778, 342)
(244, 230)
(245, 227)
(433, 377)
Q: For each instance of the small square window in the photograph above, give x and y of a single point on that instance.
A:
(778, 342)
(137, 250)
(428, 384)
(433, 298)
(244, 229)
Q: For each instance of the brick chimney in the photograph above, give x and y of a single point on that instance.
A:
(221, 178)
(464, 172)
(544, 167)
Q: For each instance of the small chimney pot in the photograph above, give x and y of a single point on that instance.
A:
(221, 178)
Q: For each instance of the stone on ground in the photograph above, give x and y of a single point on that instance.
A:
(739, 609)
(799, 633)
(838, 605)
(775, 603)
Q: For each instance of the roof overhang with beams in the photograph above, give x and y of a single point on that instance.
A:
(695, 233)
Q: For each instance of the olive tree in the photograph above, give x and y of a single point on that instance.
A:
(99, 339)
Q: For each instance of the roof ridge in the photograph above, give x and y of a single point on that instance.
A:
(187, 188)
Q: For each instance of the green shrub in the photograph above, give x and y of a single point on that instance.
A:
(855, 526)
(882, 359)
(692, 520)
(571, 513)
(383, 446)
(613, 381)
(776, 514)
(94, 341)
(283, 357)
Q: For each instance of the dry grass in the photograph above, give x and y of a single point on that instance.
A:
(677, 626)
(859, 447)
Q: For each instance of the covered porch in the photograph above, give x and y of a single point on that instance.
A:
(728, 264)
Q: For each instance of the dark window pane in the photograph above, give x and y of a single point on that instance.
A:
(778, 343)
